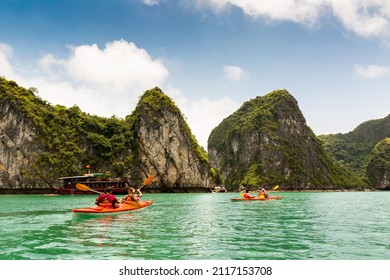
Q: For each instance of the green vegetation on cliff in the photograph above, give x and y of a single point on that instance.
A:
(378, 167)
(352, 150)
(266, 142)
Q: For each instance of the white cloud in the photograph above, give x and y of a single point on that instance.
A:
(233, 73)
(120, 65)
(367, 18)
(104, 81)
(371, 71)
(151, 2)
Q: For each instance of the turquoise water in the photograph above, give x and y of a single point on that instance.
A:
(301, 226)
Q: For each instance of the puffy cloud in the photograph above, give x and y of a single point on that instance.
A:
(368, 18)
(371, 71)
(234, 73)
(120, 65)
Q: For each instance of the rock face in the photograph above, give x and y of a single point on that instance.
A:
(40, 143)
(378, 167)
(166, 146)
(16, 146)
(267, 142)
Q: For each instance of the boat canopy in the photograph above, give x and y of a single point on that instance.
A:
(88, 175)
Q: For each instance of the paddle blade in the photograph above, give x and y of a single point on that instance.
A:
(276, 187)
(148, 180)
(83, 187)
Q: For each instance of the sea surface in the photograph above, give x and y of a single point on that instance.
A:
(301, 226)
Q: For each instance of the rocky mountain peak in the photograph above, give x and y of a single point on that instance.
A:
(267, 142)
(166, 145)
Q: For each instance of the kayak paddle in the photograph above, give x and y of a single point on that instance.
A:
(83, 187)
(147, 181)
(274, 188)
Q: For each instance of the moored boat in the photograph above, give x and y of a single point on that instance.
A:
(95, 181)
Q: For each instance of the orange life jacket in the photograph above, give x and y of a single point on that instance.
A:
(262, 195)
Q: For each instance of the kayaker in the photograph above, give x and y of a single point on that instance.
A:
(263, 193)
(101, 198)
(133, 195)
(107, 198)
(112, 198)
(247, 195)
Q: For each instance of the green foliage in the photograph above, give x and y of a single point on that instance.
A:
(378, 166)
(352, 150)
(215, 177)
(119, 168)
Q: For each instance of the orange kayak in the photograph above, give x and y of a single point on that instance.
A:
(108, 209)
(257, 198)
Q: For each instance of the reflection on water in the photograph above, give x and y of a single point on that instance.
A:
(200, 226)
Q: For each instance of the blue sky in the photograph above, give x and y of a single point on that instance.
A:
(209, 56)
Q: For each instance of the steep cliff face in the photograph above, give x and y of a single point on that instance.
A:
(267, 142)
(378, 167)
(16, 146)
(166, 146)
